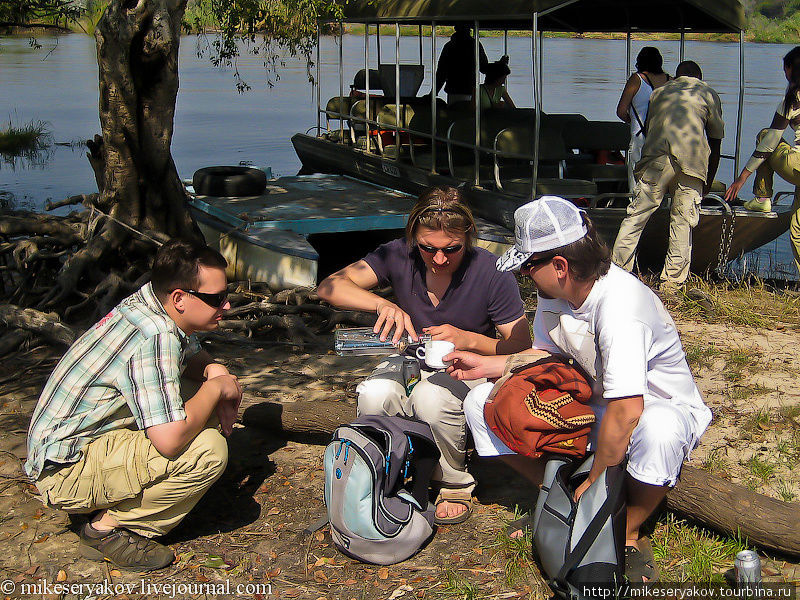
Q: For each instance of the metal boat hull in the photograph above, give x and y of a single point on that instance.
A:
(751, 230)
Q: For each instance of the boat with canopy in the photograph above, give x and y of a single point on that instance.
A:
(383, 132)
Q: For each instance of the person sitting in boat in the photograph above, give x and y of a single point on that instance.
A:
(646, 403)
(635, 100)
(680, 155)
(493, 92)
(456, 68)
(774, 155)
(445, 287)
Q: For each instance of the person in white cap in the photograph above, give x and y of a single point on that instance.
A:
(645, 400)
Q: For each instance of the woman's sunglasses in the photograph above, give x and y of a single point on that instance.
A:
(455, 249)
(213, 300)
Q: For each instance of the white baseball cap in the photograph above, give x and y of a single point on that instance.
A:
(540, 226)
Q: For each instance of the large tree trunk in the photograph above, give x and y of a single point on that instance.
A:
(137, 54)
(721, 505)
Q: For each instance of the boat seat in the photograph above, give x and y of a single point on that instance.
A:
(337, 109)
(420, 144)
(514, 153)
(600, 139)
(360, 80)
(461, 140)
(387, 122)
(358, 112)
(411, 77)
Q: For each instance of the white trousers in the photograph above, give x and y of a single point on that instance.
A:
(660, 443)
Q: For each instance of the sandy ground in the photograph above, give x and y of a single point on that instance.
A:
(246, 531)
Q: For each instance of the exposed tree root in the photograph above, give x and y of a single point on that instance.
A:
(48, 326)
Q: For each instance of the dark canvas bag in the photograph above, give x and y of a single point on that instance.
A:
(377, 473)
(580, 544)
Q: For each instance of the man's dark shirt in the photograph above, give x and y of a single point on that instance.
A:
(457, 65)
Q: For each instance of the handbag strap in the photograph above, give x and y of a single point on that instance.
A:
(638, 120)
(591, 532)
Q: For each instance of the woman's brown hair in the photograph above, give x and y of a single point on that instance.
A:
(441, 208)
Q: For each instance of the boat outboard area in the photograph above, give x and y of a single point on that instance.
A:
(303, 228)
(386, 124)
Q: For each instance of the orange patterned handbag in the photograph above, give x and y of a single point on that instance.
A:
(542, 406)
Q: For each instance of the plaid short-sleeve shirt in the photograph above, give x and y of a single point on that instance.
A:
(125, 370)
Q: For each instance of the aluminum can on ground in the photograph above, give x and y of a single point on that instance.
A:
(748, 567)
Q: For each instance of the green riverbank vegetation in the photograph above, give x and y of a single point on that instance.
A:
(26, 142)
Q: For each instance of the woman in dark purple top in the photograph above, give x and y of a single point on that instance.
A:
(451, 290)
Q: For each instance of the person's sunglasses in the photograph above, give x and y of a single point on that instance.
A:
(213, 300)
(535, 262)
(433, 249)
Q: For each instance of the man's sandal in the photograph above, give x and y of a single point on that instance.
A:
(523, 525)
(456, 497)
(640, 566)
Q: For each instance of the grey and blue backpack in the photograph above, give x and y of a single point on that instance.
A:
(580, 545)
(377, 473)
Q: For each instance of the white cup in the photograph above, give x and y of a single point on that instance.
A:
(434, 351)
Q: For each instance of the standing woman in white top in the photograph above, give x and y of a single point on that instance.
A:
(635, 100)
(774, 155)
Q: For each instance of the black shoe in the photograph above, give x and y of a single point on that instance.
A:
(125, 549)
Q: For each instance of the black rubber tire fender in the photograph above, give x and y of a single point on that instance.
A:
(229, 181)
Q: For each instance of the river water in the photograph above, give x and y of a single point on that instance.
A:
(216, 125)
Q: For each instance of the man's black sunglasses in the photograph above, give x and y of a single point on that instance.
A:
(213, 300)
(535, 262)
(433, 249)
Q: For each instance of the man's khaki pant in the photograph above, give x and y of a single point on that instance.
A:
(656, 178)
(437, 399)
(123, 472)
(785, 161)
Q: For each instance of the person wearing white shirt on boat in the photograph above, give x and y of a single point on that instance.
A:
(635, 101)
(774, 155)
(680, 157)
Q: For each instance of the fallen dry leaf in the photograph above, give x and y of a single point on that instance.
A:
(383, 573)
(62, 575)
(319, 536)
(350, 581)
(291, 593)
(115, 573)
(41, 538)
(274, 511)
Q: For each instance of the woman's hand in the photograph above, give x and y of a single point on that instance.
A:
(391, 316)
(461, 339)
(733, 191)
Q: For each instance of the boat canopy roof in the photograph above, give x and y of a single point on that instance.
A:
(709, 16)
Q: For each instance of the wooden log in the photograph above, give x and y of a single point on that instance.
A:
(299, 417)
(48, 325)
(731, 509)
(708, 499)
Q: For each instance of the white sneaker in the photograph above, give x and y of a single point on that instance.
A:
(759, 205)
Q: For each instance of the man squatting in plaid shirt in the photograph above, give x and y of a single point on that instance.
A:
(111, 434)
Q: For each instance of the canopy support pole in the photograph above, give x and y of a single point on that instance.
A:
(419, 37)
(741, 106)
(477, 97)
(505, 42)
(399, 117)
(319, 86)
(627, 55)
(367, 124)
(434, 94)
(341, 82)
(683, 45)
(536, 102)
(378, 41)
